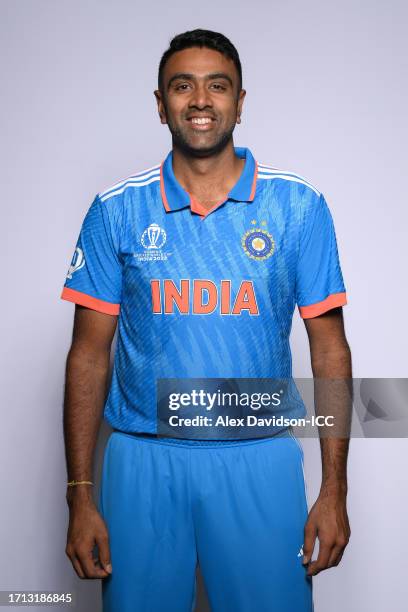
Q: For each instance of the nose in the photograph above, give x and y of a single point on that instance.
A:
(200, 97)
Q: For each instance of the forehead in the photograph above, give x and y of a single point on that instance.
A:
(199, 62)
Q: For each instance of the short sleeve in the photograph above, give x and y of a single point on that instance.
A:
(319, 280)
(94, 278)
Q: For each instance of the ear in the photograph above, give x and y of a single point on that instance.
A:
(241, 97)
(160, 106)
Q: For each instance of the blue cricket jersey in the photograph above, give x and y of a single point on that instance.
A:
(202, 294)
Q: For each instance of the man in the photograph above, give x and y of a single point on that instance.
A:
(201, 261)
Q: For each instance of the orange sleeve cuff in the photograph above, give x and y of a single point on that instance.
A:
(332, 301)
(83, 299)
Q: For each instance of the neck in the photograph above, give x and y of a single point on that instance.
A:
(208, 178)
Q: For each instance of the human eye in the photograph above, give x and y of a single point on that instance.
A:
(181, 86)
(218, 86)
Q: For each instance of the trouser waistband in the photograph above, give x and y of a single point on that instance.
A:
(151, 437)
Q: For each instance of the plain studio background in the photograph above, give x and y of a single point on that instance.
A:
(327, 97)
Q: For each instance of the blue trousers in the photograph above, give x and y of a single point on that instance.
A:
(237, 508)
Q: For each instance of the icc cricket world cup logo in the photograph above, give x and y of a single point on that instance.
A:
(153, 237)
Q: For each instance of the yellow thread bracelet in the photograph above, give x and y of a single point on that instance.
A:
(73, 483)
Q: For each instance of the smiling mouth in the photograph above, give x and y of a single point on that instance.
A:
(201, 124)
(201, 120)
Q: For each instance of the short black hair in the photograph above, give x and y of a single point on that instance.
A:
(201, 38)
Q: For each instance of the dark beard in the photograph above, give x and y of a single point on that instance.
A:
(181, 143)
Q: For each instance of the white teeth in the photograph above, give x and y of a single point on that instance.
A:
(201, 120)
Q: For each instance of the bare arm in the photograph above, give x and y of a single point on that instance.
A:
(331, 360)
(87, 371)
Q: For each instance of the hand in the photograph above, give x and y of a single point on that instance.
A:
(329, 522)
(87, 529)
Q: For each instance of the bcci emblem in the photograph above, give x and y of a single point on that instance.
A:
(78, 261)
(258, 243)
(153, 237)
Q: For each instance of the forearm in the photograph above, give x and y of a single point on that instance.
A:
(332, 371)
(85, 391)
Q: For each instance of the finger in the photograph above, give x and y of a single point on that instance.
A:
(88, 564)
(325, 550)
(97, 565)
(104, 553)
(75, 562)
(315, 567)
(77, 566)
(336, 556)
(310, 536)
